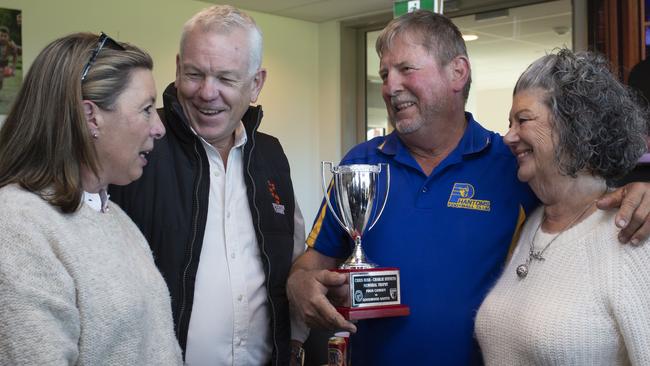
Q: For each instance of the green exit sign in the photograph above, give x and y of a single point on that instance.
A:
(403, 7)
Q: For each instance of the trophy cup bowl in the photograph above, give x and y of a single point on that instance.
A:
(374, 291)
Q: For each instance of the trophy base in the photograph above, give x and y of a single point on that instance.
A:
(374, 293)
(374, 312)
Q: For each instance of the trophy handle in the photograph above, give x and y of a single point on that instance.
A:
(327, 198)
(385, 196)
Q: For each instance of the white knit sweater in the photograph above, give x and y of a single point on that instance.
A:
(79, 289)
(588, 303)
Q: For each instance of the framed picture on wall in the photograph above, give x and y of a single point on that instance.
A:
(11, 57)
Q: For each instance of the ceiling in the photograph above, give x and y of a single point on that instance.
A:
(325, 10)
(313, 10)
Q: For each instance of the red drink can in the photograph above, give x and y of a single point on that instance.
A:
(348, 353)
(336, 351)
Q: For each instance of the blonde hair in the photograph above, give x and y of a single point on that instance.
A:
(44, 141)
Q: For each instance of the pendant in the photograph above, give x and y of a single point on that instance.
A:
(522, 270)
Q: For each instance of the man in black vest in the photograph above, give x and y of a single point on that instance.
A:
(216, 202)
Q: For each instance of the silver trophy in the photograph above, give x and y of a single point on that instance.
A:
(356, 194)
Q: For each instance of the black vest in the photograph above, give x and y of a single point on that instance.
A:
(169, 203)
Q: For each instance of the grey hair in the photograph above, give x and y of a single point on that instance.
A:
(224, 19)
(599, 122)
(437, 34)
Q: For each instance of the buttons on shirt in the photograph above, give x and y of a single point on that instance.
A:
(239, 342)
(230, 284)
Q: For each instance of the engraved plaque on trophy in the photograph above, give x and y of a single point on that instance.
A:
(374, 291)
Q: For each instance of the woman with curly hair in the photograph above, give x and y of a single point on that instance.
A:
(571, 294)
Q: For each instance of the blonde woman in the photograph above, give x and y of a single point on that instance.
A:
(79, 286)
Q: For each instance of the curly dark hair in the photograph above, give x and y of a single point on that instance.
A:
(599, 122)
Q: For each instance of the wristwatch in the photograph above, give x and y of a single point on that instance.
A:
(297, 355)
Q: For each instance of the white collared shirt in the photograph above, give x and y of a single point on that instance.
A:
(229, 324)
(97, 201)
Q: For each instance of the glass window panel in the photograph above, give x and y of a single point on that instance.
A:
(376, 117)
(505, 46)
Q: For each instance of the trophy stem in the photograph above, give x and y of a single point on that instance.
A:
(358, 259)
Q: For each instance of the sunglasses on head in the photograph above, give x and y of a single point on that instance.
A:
(101, 41)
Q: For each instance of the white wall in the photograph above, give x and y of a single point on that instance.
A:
(491, 107)
(329, 102)
(291, 97)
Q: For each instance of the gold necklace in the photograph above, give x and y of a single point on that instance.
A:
(522, 269)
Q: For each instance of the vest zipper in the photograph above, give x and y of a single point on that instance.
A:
(263, 244)
(189, 251)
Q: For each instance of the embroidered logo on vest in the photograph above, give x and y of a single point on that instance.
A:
(461, 197)
(277, 206)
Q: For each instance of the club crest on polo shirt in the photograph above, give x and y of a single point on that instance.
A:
(462, 197)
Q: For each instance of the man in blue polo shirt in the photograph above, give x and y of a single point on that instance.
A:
(455, 205)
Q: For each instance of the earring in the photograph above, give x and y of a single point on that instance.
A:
(95, 135)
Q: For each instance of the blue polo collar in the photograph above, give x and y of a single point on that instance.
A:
(475, 139)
